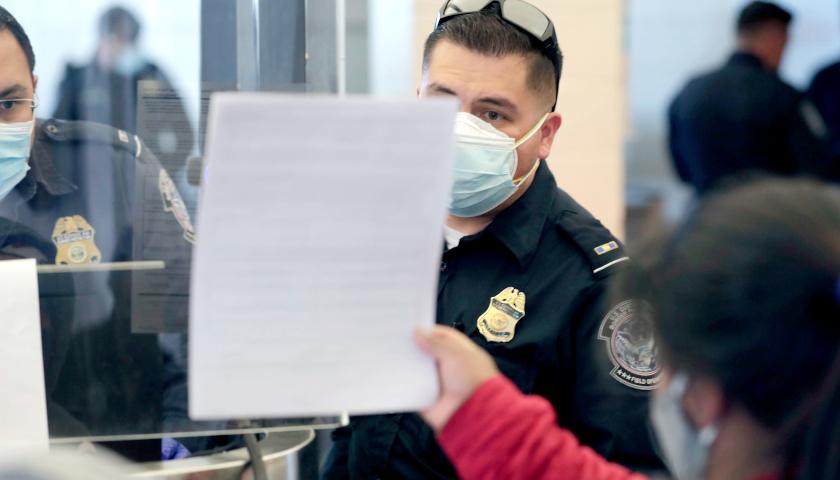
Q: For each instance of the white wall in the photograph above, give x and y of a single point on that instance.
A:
(66, 30)
(671, 41)
(390, 41)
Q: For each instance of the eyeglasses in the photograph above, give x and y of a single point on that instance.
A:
(519, 13)
(14, 110)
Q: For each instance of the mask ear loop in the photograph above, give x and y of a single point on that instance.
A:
(679, 386)
(707, 435)
(518, 181)
(532, 131)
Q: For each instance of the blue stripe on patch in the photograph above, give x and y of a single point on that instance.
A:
(606, 248)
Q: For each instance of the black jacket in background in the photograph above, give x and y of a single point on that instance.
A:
(825, 93)
(743, 118)
(90, 93)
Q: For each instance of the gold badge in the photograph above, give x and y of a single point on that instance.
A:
(498, 323)
(74, 240)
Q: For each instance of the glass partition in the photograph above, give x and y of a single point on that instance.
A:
(108, 204)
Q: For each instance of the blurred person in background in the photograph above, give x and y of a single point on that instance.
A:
(745, 299)
(743, 118)
(106, 91)
(825, 93)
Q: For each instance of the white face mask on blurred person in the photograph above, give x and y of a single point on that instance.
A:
(685, 449)
(129, 61)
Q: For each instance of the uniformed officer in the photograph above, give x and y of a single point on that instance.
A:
(113, 239)
(106, 89)
(825, 93)
(525, 269)
(742, 117)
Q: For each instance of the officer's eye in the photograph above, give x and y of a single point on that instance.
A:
(492, 116)
(6, 105)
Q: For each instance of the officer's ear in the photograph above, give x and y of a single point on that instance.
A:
(34, 83)
(547, 133)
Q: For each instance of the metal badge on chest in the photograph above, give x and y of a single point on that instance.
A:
(506, 309)
(74, 240)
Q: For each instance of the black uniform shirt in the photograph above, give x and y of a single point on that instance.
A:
(95, 195)
(546, 257)
(825, 93)
(743, 118)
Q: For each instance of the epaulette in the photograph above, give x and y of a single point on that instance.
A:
(597, 244)
(71, 131)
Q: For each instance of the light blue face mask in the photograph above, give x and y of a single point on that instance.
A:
(15, 145)
(129, 62)
(485, 163)
(684, 447)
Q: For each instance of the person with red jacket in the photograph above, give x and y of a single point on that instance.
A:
(745, 299)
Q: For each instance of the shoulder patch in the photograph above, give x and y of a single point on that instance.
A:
(813, 119)
(173, 203)
(627, 331)
(69, 131)
(606, 248)
(595, 242)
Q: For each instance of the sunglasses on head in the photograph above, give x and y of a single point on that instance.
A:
(518, 13)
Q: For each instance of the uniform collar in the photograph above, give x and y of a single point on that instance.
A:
(520, 226)
(745, 59)
(43, 171)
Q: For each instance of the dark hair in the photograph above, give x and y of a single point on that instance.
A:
(758, 14)
(746, 293)
(8, 22)
(121, 22)
(485, 32)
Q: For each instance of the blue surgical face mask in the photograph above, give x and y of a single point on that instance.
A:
(129, 62)
(485, 163)
(15, 144)
(684, 447)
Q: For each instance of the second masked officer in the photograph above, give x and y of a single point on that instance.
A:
(525, 268)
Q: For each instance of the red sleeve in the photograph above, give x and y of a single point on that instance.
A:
(501, 433)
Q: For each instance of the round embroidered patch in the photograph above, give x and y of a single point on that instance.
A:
(627, 330)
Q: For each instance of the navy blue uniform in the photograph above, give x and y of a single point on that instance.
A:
(94, 195)
(743, 118)
(531, 290)
(825, 93)
(90, 93)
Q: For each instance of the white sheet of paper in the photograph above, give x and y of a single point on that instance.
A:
(318, 254)
(23, 404)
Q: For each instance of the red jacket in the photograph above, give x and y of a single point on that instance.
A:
(499, 433)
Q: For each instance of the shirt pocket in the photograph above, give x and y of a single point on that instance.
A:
(516, 363)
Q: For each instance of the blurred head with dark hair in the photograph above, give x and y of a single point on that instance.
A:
(747, 308)
(10, 24)
(119, 22)
(762, 30)
(119, 32)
